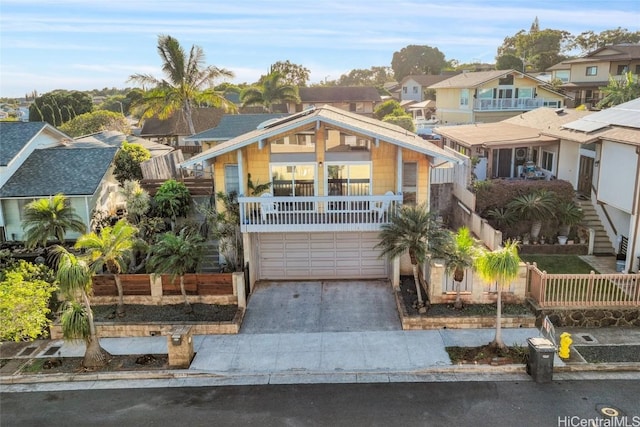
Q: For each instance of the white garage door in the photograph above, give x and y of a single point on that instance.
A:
(319, 256)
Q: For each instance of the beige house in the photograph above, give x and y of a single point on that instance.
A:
(491, 96)
(335, 178)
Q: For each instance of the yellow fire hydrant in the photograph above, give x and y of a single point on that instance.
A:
(565, 343)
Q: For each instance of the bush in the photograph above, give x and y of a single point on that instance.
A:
(127, 162)
(500, 192)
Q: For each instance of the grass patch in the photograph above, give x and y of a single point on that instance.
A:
(559, 264)
(34, 366)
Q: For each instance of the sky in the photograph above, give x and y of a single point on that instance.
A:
(93, 44)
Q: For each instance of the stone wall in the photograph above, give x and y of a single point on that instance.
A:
(589, 317)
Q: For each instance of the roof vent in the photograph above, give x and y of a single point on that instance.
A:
(560, 111)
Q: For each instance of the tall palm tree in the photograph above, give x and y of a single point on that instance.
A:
(535, 207)
(177, 255)
(187, 83)
(74, 278)
(50, 217)
(414, 230)
(619, 91)
(110, 250)
(272, 89)
(500, 266)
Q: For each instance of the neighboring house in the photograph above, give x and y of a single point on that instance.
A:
(583, 77)
(335, 177)
(491, 96)
(414, 87)
(39, 161)
(357, 99)
(504, 148)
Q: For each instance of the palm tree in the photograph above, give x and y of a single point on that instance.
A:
(415, 230)
(619, 91)
(50, 217)
(74, 278)
(270, 90)
(535, 207)
(500, 266)
(459, 253)
(187, 83)
(109, 250)
(569, 214)
(177, 254)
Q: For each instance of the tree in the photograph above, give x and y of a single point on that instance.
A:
(568, 214)
(187, 83)
(74, 278)
(24, 301)
(374, 76)
(588, 40)
(173, 200)
(97, 121)
(117, 104)
(405, 121)
(292, 74)
(415, 59)
(459, 252)
(535, 207)
(510, 62)
(414, 230)
(127, 162)
(137, 199)
(177, 255)
(619, 91)
(387, 107)
(109, 250)
(224, 226)
(59, 106)
(500, 266)
(50, 217)
(271, 90)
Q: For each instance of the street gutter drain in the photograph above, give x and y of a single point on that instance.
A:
(588, 338)
(27, 351)
(51, 351)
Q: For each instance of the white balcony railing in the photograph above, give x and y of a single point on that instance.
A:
(322, 213)
(513, 104)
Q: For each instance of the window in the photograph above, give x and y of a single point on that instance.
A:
(231, 180)
(622, 69)
(341, 142)
(563, 75)
(485, 94)
(299, 143)
(637, 69)
(525, 92)
(293, 180)
(506, 80)
(592, 71)
(547, 161)
(415, 89)
(464, 97)
(349, 179)
(404, 90)
(409, 183)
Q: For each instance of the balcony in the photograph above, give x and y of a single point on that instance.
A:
(319, 213)
(520, 104)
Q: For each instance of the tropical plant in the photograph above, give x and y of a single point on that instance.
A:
(74, 278)
(137, 200)
(50, 217)
(255, 189)
(536, 207)
(414, 230)
(500, 266)
(619, 91)
(127, 162)
(569, 214)
(224, 226)
(187, 83)
(173, 200)
(177, 255)
(501, 216)
(95, 121)
(272, 89)
(109, 250)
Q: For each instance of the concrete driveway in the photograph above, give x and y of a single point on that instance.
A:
(321, 306)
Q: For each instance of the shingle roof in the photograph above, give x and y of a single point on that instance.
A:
(68, 170)
(622, 52)
(331, 94)
(115, 139)
(427, 79)
(472, 79)
(14, 136)
(232, 125)
(176, 125)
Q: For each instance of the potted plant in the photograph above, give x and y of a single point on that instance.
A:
(568, 214)
(534, 207)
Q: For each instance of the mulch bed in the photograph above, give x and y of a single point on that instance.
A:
(137, 313)
(487, 355)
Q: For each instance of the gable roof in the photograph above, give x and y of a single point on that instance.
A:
(115, 139)
(42, 174)
(329, 94)
(375, 129)
(232, 125)
(426, 79)
(176, 125)
(618, 52)
(16, 135)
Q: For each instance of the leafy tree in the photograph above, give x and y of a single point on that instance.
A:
(74, 278)
(374, 76)
(59, 106)
(173, 200)
(50, 217)
(619, 91)
(117, 104)
(404, 121)
(177, 255)
(271, 90)
(510, 62)
(588, 40)
(386, 108)
(500, 266)
(127, 162)
(415, 59)
(187, 83)
(535, 207)
(292, 74)
(109, 251)
(97, 121)
(414, 230)
(24, 301)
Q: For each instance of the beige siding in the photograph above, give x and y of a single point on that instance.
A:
(579, 72)
(384, 168)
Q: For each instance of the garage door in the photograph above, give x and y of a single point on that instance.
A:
(319, 256)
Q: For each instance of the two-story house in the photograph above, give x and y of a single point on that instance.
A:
(583, 77)
(335, 176)
(413, 87)
(491, 96)
(357, 99)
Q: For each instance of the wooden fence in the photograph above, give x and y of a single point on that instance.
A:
(583, 290)
(140, 284)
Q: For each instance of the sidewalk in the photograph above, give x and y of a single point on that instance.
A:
(323, 357)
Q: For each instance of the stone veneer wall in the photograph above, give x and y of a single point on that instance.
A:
(589, 317)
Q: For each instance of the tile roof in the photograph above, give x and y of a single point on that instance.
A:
(68, 170)
(232, 125)
(331, 94)
(14, 136)
(176, 125)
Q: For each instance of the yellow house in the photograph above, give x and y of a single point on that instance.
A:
(491, 96)
(335, 176)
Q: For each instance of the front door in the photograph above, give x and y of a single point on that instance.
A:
(502, 163)
(585, 176)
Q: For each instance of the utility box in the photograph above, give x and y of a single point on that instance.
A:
(540, 364)
(180, 346)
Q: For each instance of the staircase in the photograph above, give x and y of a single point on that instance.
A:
(601, 245)
(210, 261)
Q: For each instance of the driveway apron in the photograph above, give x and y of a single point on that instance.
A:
(321, 306)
